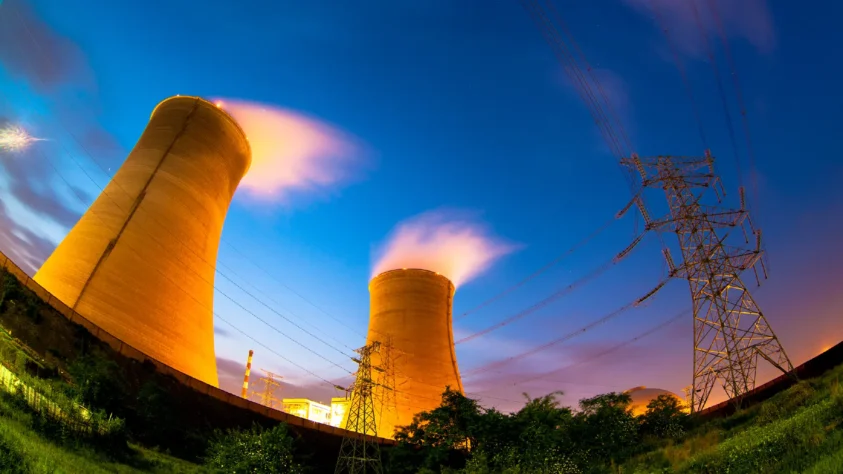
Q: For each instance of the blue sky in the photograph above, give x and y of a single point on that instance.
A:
(457, 105)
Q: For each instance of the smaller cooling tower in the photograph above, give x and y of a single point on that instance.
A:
(140, 262)
(411, 313)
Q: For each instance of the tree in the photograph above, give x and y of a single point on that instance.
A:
(665, 418)
(605, 429)
(437, 437)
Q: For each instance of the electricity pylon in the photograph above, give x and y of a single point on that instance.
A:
(359, 454)
(385, 392)
(267, 396)
(730, 331)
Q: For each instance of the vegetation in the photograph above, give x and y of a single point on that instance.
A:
(69, 403)
(254, 451)
(798, 430)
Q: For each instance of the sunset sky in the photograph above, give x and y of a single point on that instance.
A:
(452, 119)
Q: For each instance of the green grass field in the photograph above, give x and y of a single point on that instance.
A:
(799, 430)
(24, 448)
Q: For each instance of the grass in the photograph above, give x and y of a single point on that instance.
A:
(23, 449)
(798, 430)
(38, 440)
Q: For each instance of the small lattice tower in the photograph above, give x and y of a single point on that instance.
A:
(271, 381)
(730, 331)
(384, 393)
(359, 453)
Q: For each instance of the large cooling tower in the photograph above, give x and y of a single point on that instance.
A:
(411, 310)
(140, 262)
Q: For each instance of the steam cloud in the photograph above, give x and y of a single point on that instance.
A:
(448, 243)
(291, 152)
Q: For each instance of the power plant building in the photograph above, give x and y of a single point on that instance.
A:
(140, 262)
(308, 409)
(411, 316)
(339, 410)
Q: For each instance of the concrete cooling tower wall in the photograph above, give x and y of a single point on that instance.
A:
(140, 262)
(411, 311)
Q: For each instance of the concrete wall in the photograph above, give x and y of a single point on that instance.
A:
(140, 263)
(412, 309)
(215, 406)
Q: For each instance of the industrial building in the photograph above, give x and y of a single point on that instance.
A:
(140, 262)
(307, 409)
(642, 396)
(339, 410)
(411, 316)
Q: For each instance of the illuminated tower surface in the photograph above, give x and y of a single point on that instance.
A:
(140, 262)
(413, 307)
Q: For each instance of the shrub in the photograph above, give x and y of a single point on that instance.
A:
(98, 382)
(253, 451)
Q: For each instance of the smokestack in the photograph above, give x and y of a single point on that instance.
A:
(246, 375)
(412, 308)
(140, 262)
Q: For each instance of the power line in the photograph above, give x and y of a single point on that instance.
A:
(90, 156)
(571, 335)
(617, 347)
(180, 239)
(727, 114)
(295, 341)
(736, 82)
(679, 66)
(538, 272)
(556, 295)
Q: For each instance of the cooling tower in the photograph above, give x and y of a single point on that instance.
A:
(411, 313)
(140, 262)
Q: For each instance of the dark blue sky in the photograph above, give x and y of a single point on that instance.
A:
(460, 105)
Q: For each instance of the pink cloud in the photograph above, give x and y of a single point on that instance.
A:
(447, 242)
(291, 152)
(750, 20)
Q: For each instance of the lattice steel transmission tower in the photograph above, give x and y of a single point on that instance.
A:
(271, 382)
(387, 402)
(358, 452)
(730, 331)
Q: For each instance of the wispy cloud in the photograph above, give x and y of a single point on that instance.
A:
(30, 50)
(750, 20)
(292, 153)
(453, 243)
(48, 86)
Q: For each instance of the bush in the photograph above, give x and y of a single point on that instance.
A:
(253, 451)
(98, 382)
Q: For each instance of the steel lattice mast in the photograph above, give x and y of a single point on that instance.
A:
(360, 454)
(730, 331)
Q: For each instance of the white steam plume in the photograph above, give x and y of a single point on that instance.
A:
(447, 242)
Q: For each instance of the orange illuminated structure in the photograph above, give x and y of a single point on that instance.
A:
(412, 308)
(140, 262)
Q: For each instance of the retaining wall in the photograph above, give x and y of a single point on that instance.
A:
(227, 410)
